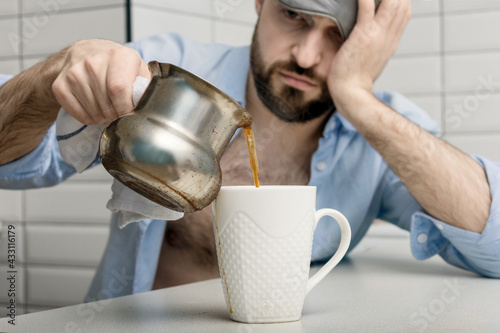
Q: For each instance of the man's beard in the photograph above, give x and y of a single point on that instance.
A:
(288, 104)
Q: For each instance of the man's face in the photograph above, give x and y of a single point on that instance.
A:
(291, 54)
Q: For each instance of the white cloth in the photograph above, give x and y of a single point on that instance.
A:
(79, 146)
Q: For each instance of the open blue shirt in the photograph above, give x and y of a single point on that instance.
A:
(349, 174)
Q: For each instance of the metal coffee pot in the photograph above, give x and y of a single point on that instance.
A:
(169, 149)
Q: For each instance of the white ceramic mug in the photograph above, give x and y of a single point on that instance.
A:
(264, 242)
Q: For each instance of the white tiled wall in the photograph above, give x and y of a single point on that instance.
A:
(34, 29)
(77, 202)
(61, 231)
(449, 50)
(199, 28)
(210, 21)
(43, 41)
(448, 62)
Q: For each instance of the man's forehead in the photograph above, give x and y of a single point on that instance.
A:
(342, 12)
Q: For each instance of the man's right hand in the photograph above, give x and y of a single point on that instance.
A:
(95, 83)
(92, 80)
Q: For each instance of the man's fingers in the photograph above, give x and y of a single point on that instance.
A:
(387, 12)
(96, 85)
(79, 80)
(69, 102)
(393, 14)
(120, 80)
(401, 20)
(144, 70)
(104, 105)
(399, 23)
(97, 81)
(366, 11)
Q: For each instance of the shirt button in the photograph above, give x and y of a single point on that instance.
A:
(422, 238)
(321, 166)
(439, 226)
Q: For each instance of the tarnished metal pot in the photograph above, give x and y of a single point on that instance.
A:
(169, 148)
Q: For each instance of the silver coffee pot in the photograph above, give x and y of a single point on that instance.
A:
(169, 149)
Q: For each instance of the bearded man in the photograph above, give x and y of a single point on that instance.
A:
(307, 81)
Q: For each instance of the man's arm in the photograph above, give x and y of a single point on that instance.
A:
(92, 80)
(447, 183)
(28, 108)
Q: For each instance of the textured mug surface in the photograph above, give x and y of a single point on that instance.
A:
(264, 241)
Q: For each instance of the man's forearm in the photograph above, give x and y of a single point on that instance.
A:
(448, 184)
(28, 108)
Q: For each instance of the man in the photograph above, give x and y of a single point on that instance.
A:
(307, 81)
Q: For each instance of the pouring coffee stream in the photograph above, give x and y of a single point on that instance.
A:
(252, 154)
(169, 149)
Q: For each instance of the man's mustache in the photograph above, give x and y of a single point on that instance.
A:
(293, 67)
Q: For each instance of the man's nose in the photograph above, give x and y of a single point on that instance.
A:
(308, 50)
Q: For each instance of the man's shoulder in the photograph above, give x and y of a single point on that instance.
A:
(408, 109)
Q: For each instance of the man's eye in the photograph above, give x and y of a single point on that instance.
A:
(292, 15)
(336, 35)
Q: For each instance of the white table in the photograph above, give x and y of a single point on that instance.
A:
(380, 288)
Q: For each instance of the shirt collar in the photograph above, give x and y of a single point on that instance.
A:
(347, 125)
(337, 117)
(335, 121)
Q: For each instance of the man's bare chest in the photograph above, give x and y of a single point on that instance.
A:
(276, 167)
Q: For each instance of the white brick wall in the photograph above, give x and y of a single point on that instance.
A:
(33, 29)
(448, 50)
(60, 232)
(210, 21)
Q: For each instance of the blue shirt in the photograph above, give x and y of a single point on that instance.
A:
(349, 174)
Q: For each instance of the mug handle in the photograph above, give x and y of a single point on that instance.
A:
(345, 240)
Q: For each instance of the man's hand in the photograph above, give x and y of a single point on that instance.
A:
(95, 83)
(91, 79)
(369, 47)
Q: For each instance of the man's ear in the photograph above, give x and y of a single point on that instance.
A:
(258, 5)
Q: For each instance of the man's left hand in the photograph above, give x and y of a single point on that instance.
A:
(368, 48)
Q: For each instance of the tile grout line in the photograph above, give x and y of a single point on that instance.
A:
(79, 224)
(212, 24)
(79, 9)
(464, 133)
(453, 93)
(463, 12)
(128, 21)
(64, 266)
(495, 51)
(19, 34)
(211, 16)
(23, 193)
(443, 68)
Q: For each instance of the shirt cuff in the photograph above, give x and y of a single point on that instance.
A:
(479, 252)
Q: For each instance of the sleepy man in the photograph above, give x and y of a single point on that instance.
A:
(307, 80)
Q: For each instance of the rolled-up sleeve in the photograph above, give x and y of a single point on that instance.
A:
(4, 78)
(479, 253)
(42, 167)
